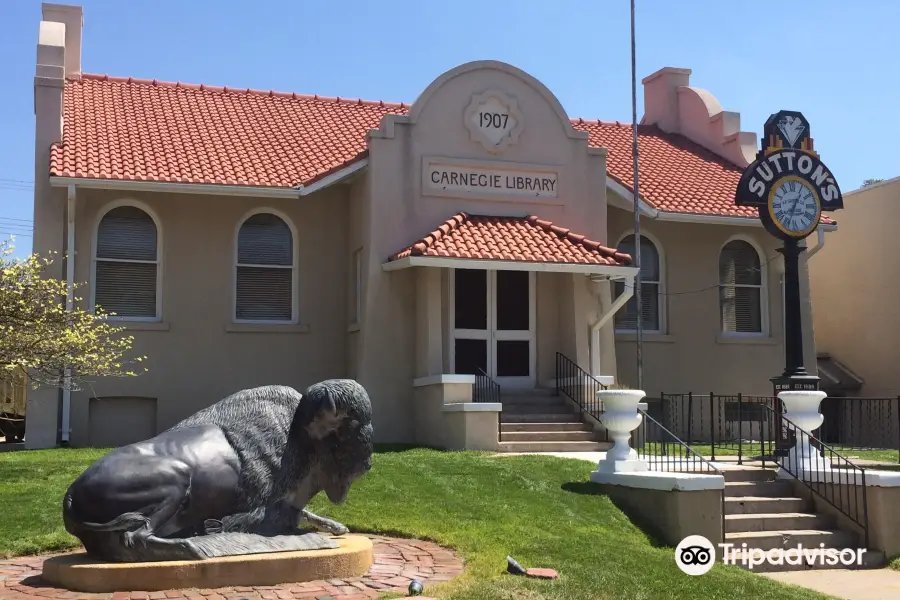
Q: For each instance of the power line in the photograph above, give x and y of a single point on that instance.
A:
(711, 287)
(29, 221)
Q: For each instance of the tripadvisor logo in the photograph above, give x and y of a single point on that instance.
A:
(696, 555)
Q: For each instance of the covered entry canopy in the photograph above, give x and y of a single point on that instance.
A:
(528, 243)
(490, 304)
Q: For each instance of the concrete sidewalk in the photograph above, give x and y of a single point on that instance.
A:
(867, 584)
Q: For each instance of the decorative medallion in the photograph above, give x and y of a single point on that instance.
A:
(493, 120)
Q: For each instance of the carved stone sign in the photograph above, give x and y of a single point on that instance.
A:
(448, 177)
(493, 119)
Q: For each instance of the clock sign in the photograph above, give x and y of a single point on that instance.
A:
(788, 182)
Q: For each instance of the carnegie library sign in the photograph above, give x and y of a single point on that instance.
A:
(448, 177)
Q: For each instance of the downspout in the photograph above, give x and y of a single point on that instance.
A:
(617, 304)
(811, 253)
(70, 304)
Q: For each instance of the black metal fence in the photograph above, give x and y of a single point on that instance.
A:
(720, 425)
(664, 451)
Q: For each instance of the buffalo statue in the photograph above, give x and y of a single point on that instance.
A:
(233, 478)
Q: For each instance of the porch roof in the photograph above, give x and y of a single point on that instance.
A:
(524, 241)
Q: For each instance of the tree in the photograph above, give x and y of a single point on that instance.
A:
(38, 336)
(871, 181)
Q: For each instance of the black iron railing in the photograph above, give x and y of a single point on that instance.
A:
(740, 426)
(486, 389)
(826, 473)
(664, 452)
(868, 424)
(575, 383)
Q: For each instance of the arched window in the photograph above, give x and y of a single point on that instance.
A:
(741, 285)
(126, 264)
(264, 273)
(651, 280)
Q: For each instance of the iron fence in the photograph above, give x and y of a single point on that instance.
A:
(486, 389)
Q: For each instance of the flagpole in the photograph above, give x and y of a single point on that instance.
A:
(637, 214)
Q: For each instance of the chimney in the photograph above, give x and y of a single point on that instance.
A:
(73, 20)
(674, 106)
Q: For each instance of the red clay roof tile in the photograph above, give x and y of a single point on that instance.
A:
(147, 130)
(511, 238)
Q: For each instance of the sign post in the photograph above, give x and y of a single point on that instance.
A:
(790, 187)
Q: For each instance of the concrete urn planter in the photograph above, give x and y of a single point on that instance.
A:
(802, 409)
(620, 416)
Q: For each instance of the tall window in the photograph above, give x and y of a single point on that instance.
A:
(126, 264)
(265, 270)
(741, 287)
(651, 276)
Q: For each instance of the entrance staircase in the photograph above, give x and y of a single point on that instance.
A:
(765, 513)
(540, 421)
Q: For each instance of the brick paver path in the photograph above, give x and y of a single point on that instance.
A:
(397, 562)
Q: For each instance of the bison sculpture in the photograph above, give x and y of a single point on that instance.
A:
(233, 478)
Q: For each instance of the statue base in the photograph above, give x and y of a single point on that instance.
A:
(80, 573)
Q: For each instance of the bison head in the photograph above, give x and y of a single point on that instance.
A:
(337, 417)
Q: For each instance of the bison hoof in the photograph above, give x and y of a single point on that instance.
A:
(333, 527)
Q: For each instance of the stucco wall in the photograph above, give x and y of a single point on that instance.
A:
(855, 292)
(195, 355)
(692, 354)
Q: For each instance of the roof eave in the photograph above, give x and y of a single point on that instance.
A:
(613, 271)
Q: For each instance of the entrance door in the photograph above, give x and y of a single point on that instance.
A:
(493, 324)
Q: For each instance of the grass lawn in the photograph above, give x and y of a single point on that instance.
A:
(541, 510)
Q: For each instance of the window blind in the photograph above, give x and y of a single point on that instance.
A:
(264, 281)
(626, 318)
(126, 269)
(740, 288)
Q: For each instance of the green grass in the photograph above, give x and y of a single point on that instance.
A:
(541, 510)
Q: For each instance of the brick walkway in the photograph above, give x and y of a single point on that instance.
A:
(397, 562)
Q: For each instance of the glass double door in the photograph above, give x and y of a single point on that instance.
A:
(494, 325)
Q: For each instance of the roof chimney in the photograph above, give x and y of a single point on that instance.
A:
(674, 106)
(72, 19)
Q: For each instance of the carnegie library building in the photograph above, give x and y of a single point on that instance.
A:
(249, 237)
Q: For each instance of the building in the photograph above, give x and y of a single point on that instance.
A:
(855, 296)
(251, 237)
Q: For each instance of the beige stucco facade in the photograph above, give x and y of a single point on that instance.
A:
(854, 290)
(400, 342)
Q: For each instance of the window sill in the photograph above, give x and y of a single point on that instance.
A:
(662, 338)
(758, 340)
(353, 328)
(140, 325)
(265, 328)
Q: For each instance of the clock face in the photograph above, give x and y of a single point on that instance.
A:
(795, 207)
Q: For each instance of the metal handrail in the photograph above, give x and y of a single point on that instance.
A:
(486, 389)
(844, 473)
(577, 385)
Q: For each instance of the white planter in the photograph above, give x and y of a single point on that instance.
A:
(620, 416)
(802, 409)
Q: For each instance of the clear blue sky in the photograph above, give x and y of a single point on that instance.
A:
(836, 61)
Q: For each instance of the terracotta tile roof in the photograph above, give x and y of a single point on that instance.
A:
(117, 128)
(132, 129)
(511, 238)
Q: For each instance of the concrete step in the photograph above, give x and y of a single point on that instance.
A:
(769, 489)
(514, 427)
(554, 446)
(748, 474)
(871, 559)
(547, 408)
(550, 436)
(776, 521)
(789, 538)
(755, 505)
(527, 393)
(522, 399)
(506, 417)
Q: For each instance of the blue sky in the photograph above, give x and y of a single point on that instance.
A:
(833, 60)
